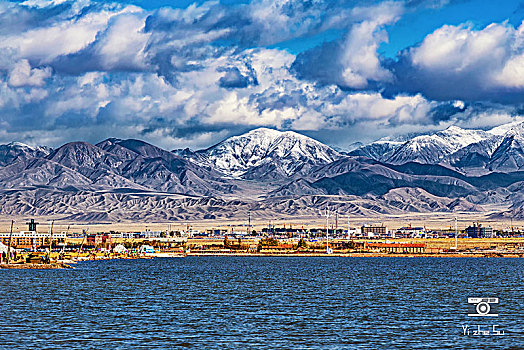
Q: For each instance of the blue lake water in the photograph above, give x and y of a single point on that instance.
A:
(262, 303)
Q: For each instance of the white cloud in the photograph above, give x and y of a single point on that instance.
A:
(23, 75)
(12, 99)
(459, 104)
(353, 61)
(492, 56)
(175, 76)
(123, 43)
(364, 38)
(512, 74)
(44, 44)
(486, 119)
(42, 3)
(373, 107)
(359, 59)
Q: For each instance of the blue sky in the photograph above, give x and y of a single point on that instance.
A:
(188, 74)
(413, 27)
(408, 31)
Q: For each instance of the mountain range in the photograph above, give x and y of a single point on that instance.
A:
(269, 173)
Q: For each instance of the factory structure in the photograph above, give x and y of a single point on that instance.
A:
(32, 238)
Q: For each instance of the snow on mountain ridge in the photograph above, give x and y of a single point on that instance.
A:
(23, 146)
(428, 148)
(434, 147)
(453, 138)
(509, 155)
(20, 145)
(516, 131)
(17, 150)
(287, 150)
(501, 130)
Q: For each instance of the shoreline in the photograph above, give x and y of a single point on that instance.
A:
(52, 266)
(369, 255)
(67, 264)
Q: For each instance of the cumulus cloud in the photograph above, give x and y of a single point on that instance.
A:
(189, 77)
(233, 78)
(465, 63)
(352, 61)
(122, 45)
(149, 105)
(69, 33)
(23, 75)
(512, 73)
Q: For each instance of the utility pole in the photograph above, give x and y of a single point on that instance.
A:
(248, 223)
(82, 244)
(336, 222)
(456, 233)
(65, 240)
(9, 244)
(327, 229)
(349, 234)
(51, 239)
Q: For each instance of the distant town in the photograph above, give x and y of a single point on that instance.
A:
(33, 245)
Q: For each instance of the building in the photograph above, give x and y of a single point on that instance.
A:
(374, 231)
(32, 238)
(216, 232)
(352, 232)
(148, 234)
(478, 231)
(96, 239)
(129, 235)
(411, 232)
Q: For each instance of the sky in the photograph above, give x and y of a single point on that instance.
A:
(189, 74)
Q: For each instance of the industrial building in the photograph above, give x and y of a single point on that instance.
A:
(479, 231)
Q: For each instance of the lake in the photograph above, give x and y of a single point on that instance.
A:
(264, 303)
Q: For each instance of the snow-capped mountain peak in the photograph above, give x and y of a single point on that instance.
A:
(516, 131)
(509, 155)
(19, 145)
(19, 150)
(287, 151)
(25, 147)
(501, 130)
(456, 137)
(428, 148)
(432, 148)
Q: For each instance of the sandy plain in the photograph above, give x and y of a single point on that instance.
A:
(431, 221)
